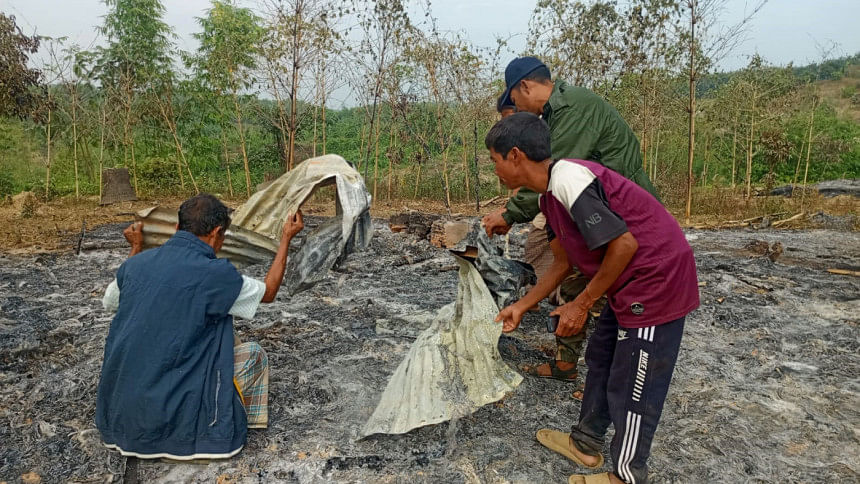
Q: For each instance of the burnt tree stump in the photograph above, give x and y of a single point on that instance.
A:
(116, 186)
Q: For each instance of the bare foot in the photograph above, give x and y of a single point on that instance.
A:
(588, 460)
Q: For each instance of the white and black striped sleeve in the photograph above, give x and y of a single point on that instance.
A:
(597, 223)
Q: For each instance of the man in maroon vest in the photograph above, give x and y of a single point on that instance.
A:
(632, 250)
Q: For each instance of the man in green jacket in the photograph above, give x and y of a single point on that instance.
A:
(582, 126)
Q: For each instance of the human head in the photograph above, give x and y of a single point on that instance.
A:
(528, 84)
(505, 106)
(206, 217)
(516, 141)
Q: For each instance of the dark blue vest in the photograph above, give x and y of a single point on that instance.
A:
(167, 379)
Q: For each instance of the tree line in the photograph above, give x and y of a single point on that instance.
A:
(254, 98)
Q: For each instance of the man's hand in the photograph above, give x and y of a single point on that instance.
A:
(511, 317)
(573, 315)
(134, 235)
(494, 223)
(293, 225)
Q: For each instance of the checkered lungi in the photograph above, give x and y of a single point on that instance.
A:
(251, 377)
(539, 255)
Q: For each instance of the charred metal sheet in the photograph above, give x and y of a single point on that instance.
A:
(241, 246)
(256, 229)
(266, 211)
(453, 367)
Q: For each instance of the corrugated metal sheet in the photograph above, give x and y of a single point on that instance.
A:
(256, 229)
(240, 246)
(453, 367)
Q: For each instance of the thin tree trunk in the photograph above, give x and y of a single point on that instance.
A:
(465, 167)
(361, 142)
(808, 151)
(164, 107)
(750, 152)
(314, 147)
(134, 166)
(242, 143)
(392, 149)
(75, 144)
(323, 100)
(282, 118)
(102, 151)
(376, 162)
(477, 169)
(294, 87)
(182, 160)
(655, 158)
(797, 166)
(707, 159)
(734, 151)
(417, 181)
(692, 113)
(48, 170)
(227, 161)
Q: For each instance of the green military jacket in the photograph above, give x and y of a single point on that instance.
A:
(583, 126)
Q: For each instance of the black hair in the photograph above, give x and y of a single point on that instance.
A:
(202, 213)
(501, 105)
(526, 131)
(541, 75)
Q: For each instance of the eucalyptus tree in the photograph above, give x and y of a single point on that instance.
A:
(765, 91)
(229, 43)
(137, 54)
(300, 39)
(383, 24)
(707, 42)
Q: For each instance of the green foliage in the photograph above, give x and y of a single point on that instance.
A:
(430, 94)
(19, 82)
(139, 44)
(229, 40)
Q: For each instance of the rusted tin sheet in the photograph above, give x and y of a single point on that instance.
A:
(241, 246)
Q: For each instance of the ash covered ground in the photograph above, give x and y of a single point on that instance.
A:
(766, 388)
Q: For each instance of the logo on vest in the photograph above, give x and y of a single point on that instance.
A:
(637, 308)
(622, 335)
(594, 219)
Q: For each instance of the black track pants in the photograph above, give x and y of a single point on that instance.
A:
(629, 371)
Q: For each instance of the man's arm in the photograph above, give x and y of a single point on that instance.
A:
(619, 253)
(560, 268)
(521, 208)
(294, 224)
(134, 235)
(254, 291)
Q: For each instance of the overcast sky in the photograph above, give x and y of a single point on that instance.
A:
(784, 30)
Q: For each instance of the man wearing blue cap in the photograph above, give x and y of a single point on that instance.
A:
(582, 126)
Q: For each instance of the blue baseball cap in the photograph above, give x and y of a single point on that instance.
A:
(516, 71)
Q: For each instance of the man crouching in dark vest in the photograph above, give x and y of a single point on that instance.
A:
(173, 383)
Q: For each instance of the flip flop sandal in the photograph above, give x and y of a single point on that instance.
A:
(560, 442)
(556, 373)
(602, 478)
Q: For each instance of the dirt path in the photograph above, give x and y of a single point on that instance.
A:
(766, 388)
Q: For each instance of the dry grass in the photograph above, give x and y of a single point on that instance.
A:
(832, 92)
(54, 225)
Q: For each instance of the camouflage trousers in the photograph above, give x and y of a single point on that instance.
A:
(539, 255)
